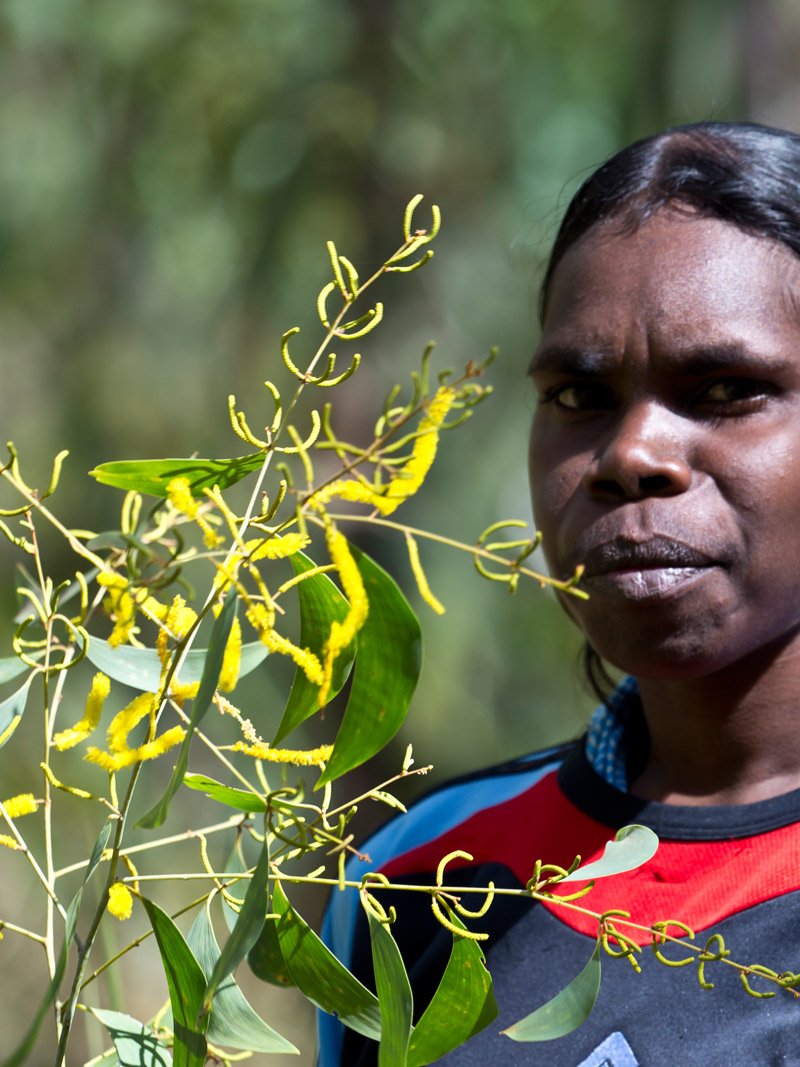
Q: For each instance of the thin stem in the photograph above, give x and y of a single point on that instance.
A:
(4, 925)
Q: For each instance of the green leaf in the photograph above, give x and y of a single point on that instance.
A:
(208, 685)
(632, 846)
(386, 674)
(321, 603)
(233, 1021)
(463, 1004)
(394, 995)
(320, 976)
(248, 926)
(154, 475)
(265, 958)
(186, 983)
(11, 710)
(240, 799)
(135, 1044)
(140, 668)
(566, 1011)
(11, 667)
(20, 1055)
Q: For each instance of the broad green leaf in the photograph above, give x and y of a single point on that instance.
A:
(265, 958)
(154, 475)
(463, 1004)
(11, 710)
(394, 995)
(140, 668)
(320, 604)
(248, 926)
(386, 673)
(240, 799)
(11, 667)
(566, 1011)
(632, 846)
(186, 983)
(20, 1055)
(233, 1021)
(135, 1044)
(200, 705)
(320, 976)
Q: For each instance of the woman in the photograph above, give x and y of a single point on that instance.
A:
(665, 458)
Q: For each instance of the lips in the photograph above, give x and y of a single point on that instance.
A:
(657, 568)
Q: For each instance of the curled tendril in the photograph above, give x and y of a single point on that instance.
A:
(424, 258)
(481, 911)
(79, 636)
(709, 955)
(316, 426)
(457, 854)
(13, 467)
(436, 901)
(83, 590)
(538, 884)
(269, 509)
(369, 901)
(756, 968)
(325, 382)
(526, 546)
(627, 947)
(347, 287)
(447, 922)
(414, 239)
(361, 326)
(20, 542)
(240, 425)
(659, 930)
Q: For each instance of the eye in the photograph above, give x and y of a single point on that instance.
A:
(579, 397)
(735, 395)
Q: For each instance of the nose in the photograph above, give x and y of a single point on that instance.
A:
(643, 455)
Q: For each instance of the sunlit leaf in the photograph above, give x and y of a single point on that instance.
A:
(154, 475)
(186, 983)
(566, 1011)
(386, 673)
(200, 705)
(320, 976)
(233, 1021)
(11, 667)
(134, 1043)
(248, 926)
(240, 799)
(463, 1004)
(140, 668)
(632, 846)
(320, 604)
(394, 995)
(21, 1054)
(11, 710)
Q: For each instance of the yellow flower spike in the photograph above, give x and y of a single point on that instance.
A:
(180, 618)
(411, 476)
(56, 783)
(124, 721)
(342, 633)
(179, 494)
(101, 687)
(21, 804)
(180, 692)
(9, 842)
(422, 580)
(279, 546)
(232, 659)
(120, 901)
(313, 757)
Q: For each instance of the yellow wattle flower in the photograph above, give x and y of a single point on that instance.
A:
(413, 473)
(120, 754)
(101, 687)
(120, 901)
(279, 546)
(312, 757)
(231, 659)
(342, 633)
(9, 842)
(179, 494)
(262, 619)
(21, 804)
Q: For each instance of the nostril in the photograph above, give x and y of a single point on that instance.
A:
(656, 485)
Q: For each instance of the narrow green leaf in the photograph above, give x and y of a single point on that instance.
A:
(320, 976)
(200, 705)
(11, 667)
(154, 475)
(135, 1044)
(265, 958)
(11, 710)
(233, 1021)
(186, 983)
(20, 1055)
(386, 674)
(632, 846)
(321, 603)
(248, 926)
(566, 1011)
(463, 1004)
(140, 668)
(240, 799)
(394, 995)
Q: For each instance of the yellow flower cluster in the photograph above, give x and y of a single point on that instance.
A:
(342, 633)
(179, 494)
(120, 754)
(120, 605)
(262, 619)
(120, 901)
(101, 686)
(21, 804)
(313, 757)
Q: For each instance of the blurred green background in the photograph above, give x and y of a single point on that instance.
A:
(169, 173)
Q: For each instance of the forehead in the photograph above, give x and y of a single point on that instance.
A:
(675, 279)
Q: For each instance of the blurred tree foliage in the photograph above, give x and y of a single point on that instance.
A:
(170, 171)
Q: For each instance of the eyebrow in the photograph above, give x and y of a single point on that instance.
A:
(697, 361)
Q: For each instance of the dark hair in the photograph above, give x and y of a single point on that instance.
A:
(742, 173)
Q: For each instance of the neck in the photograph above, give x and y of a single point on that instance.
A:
(727, 738)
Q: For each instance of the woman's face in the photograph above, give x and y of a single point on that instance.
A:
(665, 449)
